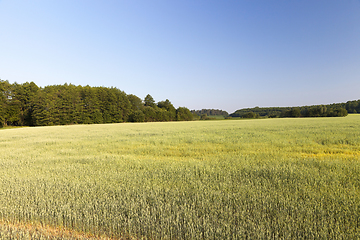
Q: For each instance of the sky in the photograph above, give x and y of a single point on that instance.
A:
(199, 54)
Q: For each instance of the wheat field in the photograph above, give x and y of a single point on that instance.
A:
(229, 179)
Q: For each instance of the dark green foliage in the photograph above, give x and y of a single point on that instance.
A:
(352, 106)
(210, 112)
(324, 111)
(332, 110)
(136, 109)
(149, 101)
(16, 103)
(262, 112)
(195, 116)
(338, 113)
(2, 105)
(294, 112)
(170, 115)
(69, 104)
(135, 102)
(137, 116)
(204, 117)
(251, 115)
(23, 102)
(28, 105)
(150, 114)
(183, 114)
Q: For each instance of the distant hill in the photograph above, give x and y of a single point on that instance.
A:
(330, 110)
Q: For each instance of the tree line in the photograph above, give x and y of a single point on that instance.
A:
(29, 105)
(210, 112)
(330, 110)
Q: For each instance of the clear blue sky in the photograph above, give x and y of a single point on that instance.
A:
(196, 53)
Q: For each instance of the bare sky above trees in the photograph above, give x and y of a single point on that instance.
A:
(199, 54)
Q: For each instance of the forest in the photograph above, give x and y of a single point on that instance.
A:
(29, 105)
(210, 112)
(330, 110)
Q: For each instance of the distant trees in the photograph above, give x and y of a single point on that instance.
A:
(2, 102)
(69, 104)
(204, 117)
(251, 115)
(170, 111)
(353, 106)
(149, 101)
(332, 110)
(183, 114)
(15, 103)
(324, 111)
(262, 112)
(137, 116)
(29, 105)
(210, 112)
(293, 112)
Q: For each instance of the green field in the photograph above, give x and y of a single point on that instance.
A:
(248, 179)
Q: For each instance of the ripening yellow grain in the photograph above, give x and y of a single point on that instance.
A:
(248, 179)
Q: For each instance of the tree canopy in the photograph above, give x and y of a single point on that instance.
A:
(331, 110)
(210, 112)
(29, 105)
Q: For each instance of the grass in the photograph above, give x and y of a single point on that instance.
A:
(216, 117)
(11, 127)
(266, 178)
